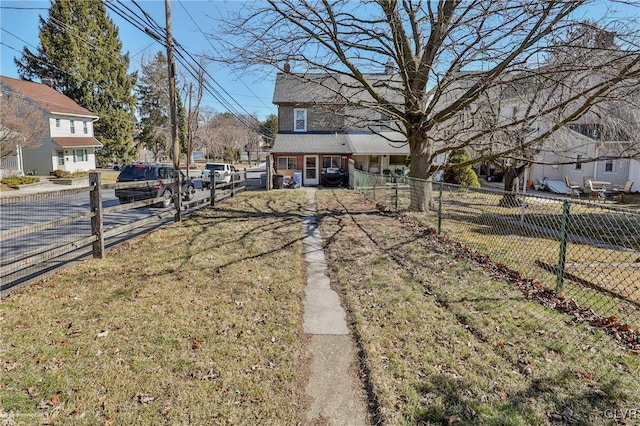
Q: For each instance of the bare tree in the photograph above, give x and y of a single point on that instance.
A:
(24, 123)
(224, 136)
(460, 67)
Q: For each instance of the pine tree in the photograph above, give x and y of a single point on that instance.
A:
(81, 51)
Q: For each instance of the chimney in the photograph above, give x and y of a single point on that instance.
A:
(49, 82)
(287, 67)
(388, 67)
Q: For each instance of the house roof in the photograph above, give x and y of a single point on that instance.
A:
(332, 88)
(46, 97)
(76, 142)
(311, 143)
(379, 144)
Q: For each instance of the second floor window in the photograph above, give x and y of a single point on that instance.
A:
(300, 120)
(578, 165)
(85, 127)
(72, 127)
(57, 123)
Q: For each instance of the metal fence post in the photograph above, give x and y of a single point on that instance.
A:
(396, 196)
(440, 208)
(97, 227)
(562, 257)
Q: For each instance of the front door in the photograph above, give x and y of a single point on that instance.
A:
(310, 170)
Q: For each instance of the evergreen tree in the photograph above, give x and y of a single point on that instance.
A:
(80, 50)
(464, 175)
(269, 128)
(183, 135)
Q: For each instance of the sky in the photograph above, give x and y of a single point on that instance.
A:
(191, 20)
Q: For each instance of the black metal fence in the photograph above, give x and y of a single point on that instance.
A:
(587, 252)
(40, 233)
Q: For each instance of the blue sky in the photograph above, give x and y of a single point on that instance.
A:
(248, 93)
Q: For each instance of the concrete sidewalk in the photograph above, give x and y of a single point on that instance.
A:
(336, 393)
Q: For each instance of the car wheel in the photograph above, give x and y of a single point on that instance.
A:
(190, 193)
(167, 199)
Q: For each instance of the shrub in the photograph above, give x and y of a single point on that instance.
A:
(15, 181)
(461, 176)
(59, 173)
(62, 174)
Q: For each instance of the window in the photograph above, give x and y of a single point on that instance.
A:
(85, 128)
(299, 120)
(332, 161)
(80, 155)
(287, 163)
(57, 123)
(608, 166)
(60, 158)
(398, 159)
(578, 165)
(72, 127)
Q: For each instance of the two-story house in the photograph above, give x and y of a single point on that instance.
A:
(69, 145)
(323, 122)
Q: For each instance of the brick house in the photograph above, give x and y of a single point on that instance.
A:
(320, 132)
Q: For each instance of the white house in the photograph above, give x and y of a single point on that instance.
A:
(69, 145)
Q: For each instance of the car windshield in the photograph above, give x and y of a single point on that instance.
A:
(215, 166)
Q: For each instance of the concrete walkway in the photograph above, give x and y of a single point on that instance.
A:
(336, 394)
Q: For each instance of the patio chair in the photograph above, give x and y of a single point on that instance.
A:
(388, 176)
(597, 191)
(618, 192)
(574, 189)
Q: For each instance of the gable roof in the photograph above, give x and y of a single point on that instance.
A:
(46, 97)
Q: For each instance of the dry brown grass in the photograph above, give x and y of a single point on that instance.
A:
(199, 323)
(443, 341)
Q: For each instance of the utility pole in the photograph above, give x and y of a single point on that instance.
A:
(174, 112)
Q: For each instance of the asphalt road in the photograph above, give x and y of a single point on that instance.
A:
(22, 240)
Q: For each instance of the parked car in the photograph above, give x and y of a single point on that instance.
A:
(222, 173)
(163, 183)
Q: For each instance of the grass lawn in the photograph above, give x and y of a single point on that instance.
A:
(198, 323)
(201, 323)
(447, 340)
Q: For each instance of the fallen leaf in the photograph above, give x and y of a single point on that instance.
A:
(104, 333)
(144, 398)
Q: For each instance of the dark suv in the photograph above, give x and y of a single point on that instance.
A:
(162, 183)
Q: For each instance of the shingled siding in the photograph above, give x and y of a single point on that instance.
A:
(319, 119)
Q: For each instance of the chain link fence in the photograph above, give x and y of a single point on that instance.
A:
(588, 252)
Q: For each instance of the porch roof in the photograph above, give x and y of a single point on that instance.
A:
(311, 143)
(386, 143)
(77, 142)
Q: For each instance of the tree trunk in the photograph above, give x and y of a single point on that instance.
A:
(511, 187)
(421, 190)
